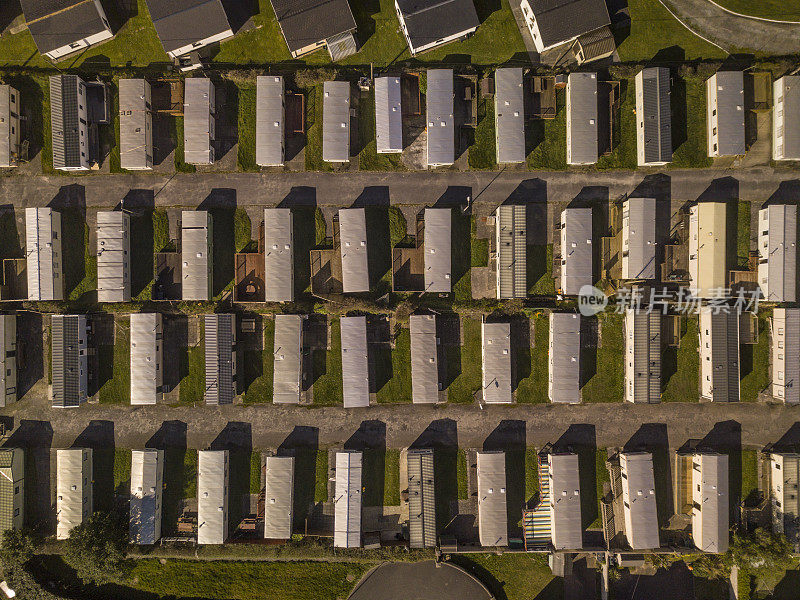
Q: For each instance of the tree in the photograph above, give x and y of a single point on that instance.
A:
(96, 548)
(761, 550)
(18, 546)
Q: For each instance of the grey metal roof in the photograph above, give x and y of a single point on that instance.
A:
(655, 114)
(576, 250)
(353, 248)
(8, 359)
(730, 111)
(509, 114)
(562, 20)
(135, 124)
(347, 500)
(639, 500)
(57, 23)
(220, 342)
(564, 379)
(439, 115)
(336, 121)
(512, 260)
(424, 359)
(69, 360)
(723, 335)
(788, 87)
(492, 499)
(270, 114)
(421, 499)
(355, 364)
(64, 121)
(642, 356)
(496, 341)
(6, 117)
(565, 502)
(779, 249)
(196, 255)
(438, 252)
(278, 255)
(198, 115)
(12, 488)
(147, 483)
(288, 359)
(786, 328)
(212, 496)
(146, 358)
(430, 22)
(582, 140)
(74, 482)
(43, 253)
(278, 497)
(388, 115)
(710, 521)
(181, 23)
(113, 256)
(639, 238)
(306, 22)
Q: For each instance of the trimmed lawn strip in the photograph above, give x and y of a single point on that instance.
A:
(321, 482)
(246, 130)
(466, 362)
(531, 476)
(397, 388)
(258, 367)
(461, 475)
(534, 388)
(479, 247)
(391, 478)
(115, 365)
(314, 106)
(680, 367)
(749, 491)
(540, 270)
(328, 369)
(754, 363)
(601, 476)
(546, 139)
(255, 472)
(743, 234)
(193, 371)
(607, 382)
(483, 154)
(517, 576)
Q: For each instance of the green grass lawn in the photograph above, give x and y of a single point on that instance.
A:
(533, 388)
(321, 483)
(743, 234)
(328, 370)
(689, 122)
(540, 270)
(258, 367)
(246, 130)
(479, 248)
(193, 372)
(461, 475)
(242, 231)
(464, 363)
(515, 576)
(601, 476)
(255, 472)
(754, 363)
(313, 152)
(546, 139)
(483, 154)
(531, 474)
(749, 489)
(115, 365)
(781, 10)
(680, 367)
(397, 362)
(607, 382)
(391, 478)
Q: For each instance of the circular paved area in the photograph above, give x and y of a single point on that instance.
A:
(419, 581)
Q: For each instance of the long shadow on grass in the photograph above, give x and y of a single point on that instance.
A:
(221, 204)
(653, 438)
(510, 437)
(171, 438)
(140, 204)
(70, 201)
(36, 438)
(370, 439)
(237, 439)
(303, 444)
(582, 440)
(442, 436)
(99, 436)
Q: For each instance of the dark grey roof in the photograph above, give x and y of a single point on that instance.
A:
(656, 114)
(64, 120)
(428, 21)
(439, 114)
(220, 334)
(563, 20)
(424, 359)
(509, 113)
(730, 112)
(724, 340)
(68, 357)
(565, 358)
(582, 118)
(58, 23)
(642, 356)
(306, 22)
(181, 23)
(421, 499)
(789, 85)
(777, 245)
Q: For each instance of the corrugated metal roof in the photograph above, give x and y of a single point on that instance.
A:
(424, 359)
(777, 252)
(438, 254)
(639, 500)
(582, 141)
(64, 115)
(6, 158)
(198, 120)
(113, 256)
(220, 342)
(719, 354)
(43, 253)
(786, 93)
(69, 360)
(430, 23)
(509, 114)
(288, 361)
(388, 115)
(421, 499)
(576, 250)
(512, 260)
(212, 496)
(639, 238)
(196, 254)
(353, 248)
(654, 115)
(492, 500)
(565, 502)
(496, 341)
(278, 255)
(642, 356)
(135, 124)
(336, 121)
(347, 500)
(785, 366)
(355, 364)
(146, 358)
(270, 114)
(8, 359)
(564, 380)
(12, 488)
(707, 249)
(728, 88)
(73, 489)
(278, 497)
(439, 107)
(710, 514)
(306, 22)
(560, 21)
(147, 483)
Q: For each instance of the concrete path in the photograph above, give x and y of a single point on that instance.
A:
(734, 32)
